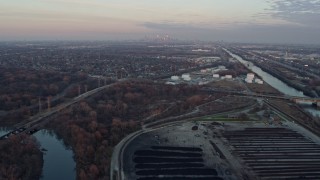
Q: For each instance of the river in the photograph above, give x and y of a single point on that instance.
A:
(276, 83)
(58, 160)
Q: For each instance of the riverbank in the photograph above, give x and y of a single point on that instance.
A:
(306, 91)
(276, 83)
(40, 156)
(57, 157)
(20, 157)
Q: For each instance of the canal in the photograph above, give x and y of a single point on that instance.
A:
(276, 83)
(58, 159)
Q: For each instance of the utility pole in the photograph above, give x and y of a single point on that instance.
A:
(49, 102)
(79, 90)
(40, 108)
(86, 88)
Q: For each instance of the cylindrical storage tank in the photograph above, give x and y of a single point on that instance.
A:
(228, 76)
(187, 78)
(203, 82)
(170, 83)
(248, 80)
(250, 76)
(175, 78)
(215, 75)
(257, 80)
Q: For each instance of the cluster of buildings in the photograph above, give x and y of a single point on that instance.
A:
(203, 77)
(252, 79)
(211, 74)
(109, 60)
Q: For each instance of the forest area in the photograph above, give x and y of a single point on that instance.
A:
(94, 126)
(20, 158)
(22, 91)
(20, 155)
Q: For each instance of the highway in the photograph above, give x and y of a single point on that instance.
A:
(33, 122)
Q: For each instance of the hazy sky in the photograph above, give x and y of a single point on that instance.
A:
(287, 21)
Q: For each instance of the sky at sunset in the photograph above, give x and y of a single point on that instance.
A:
(280, 21)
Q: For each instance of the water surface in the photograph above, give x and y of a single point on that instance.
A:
(276, 83)
(58, 160)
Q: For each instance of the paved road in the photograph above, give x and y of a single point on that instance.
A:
(42, 118)
(116, 167)
(116, 170)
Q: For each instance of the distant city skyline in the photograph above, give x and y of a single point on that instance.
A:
(258, 21)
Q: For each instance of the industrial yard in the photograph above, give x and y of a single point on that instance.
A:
(224, 150)
(222, 78)
(180, 151)
(276, 152)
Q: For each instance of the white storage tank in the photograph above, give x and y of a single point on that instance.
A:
(187, 78)
(215, 75)
(185, 75)
(259, 81)
(203, 82)
(250, 76)
(170, 83)
(228, 76)
(175, 78)
(248, 81)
